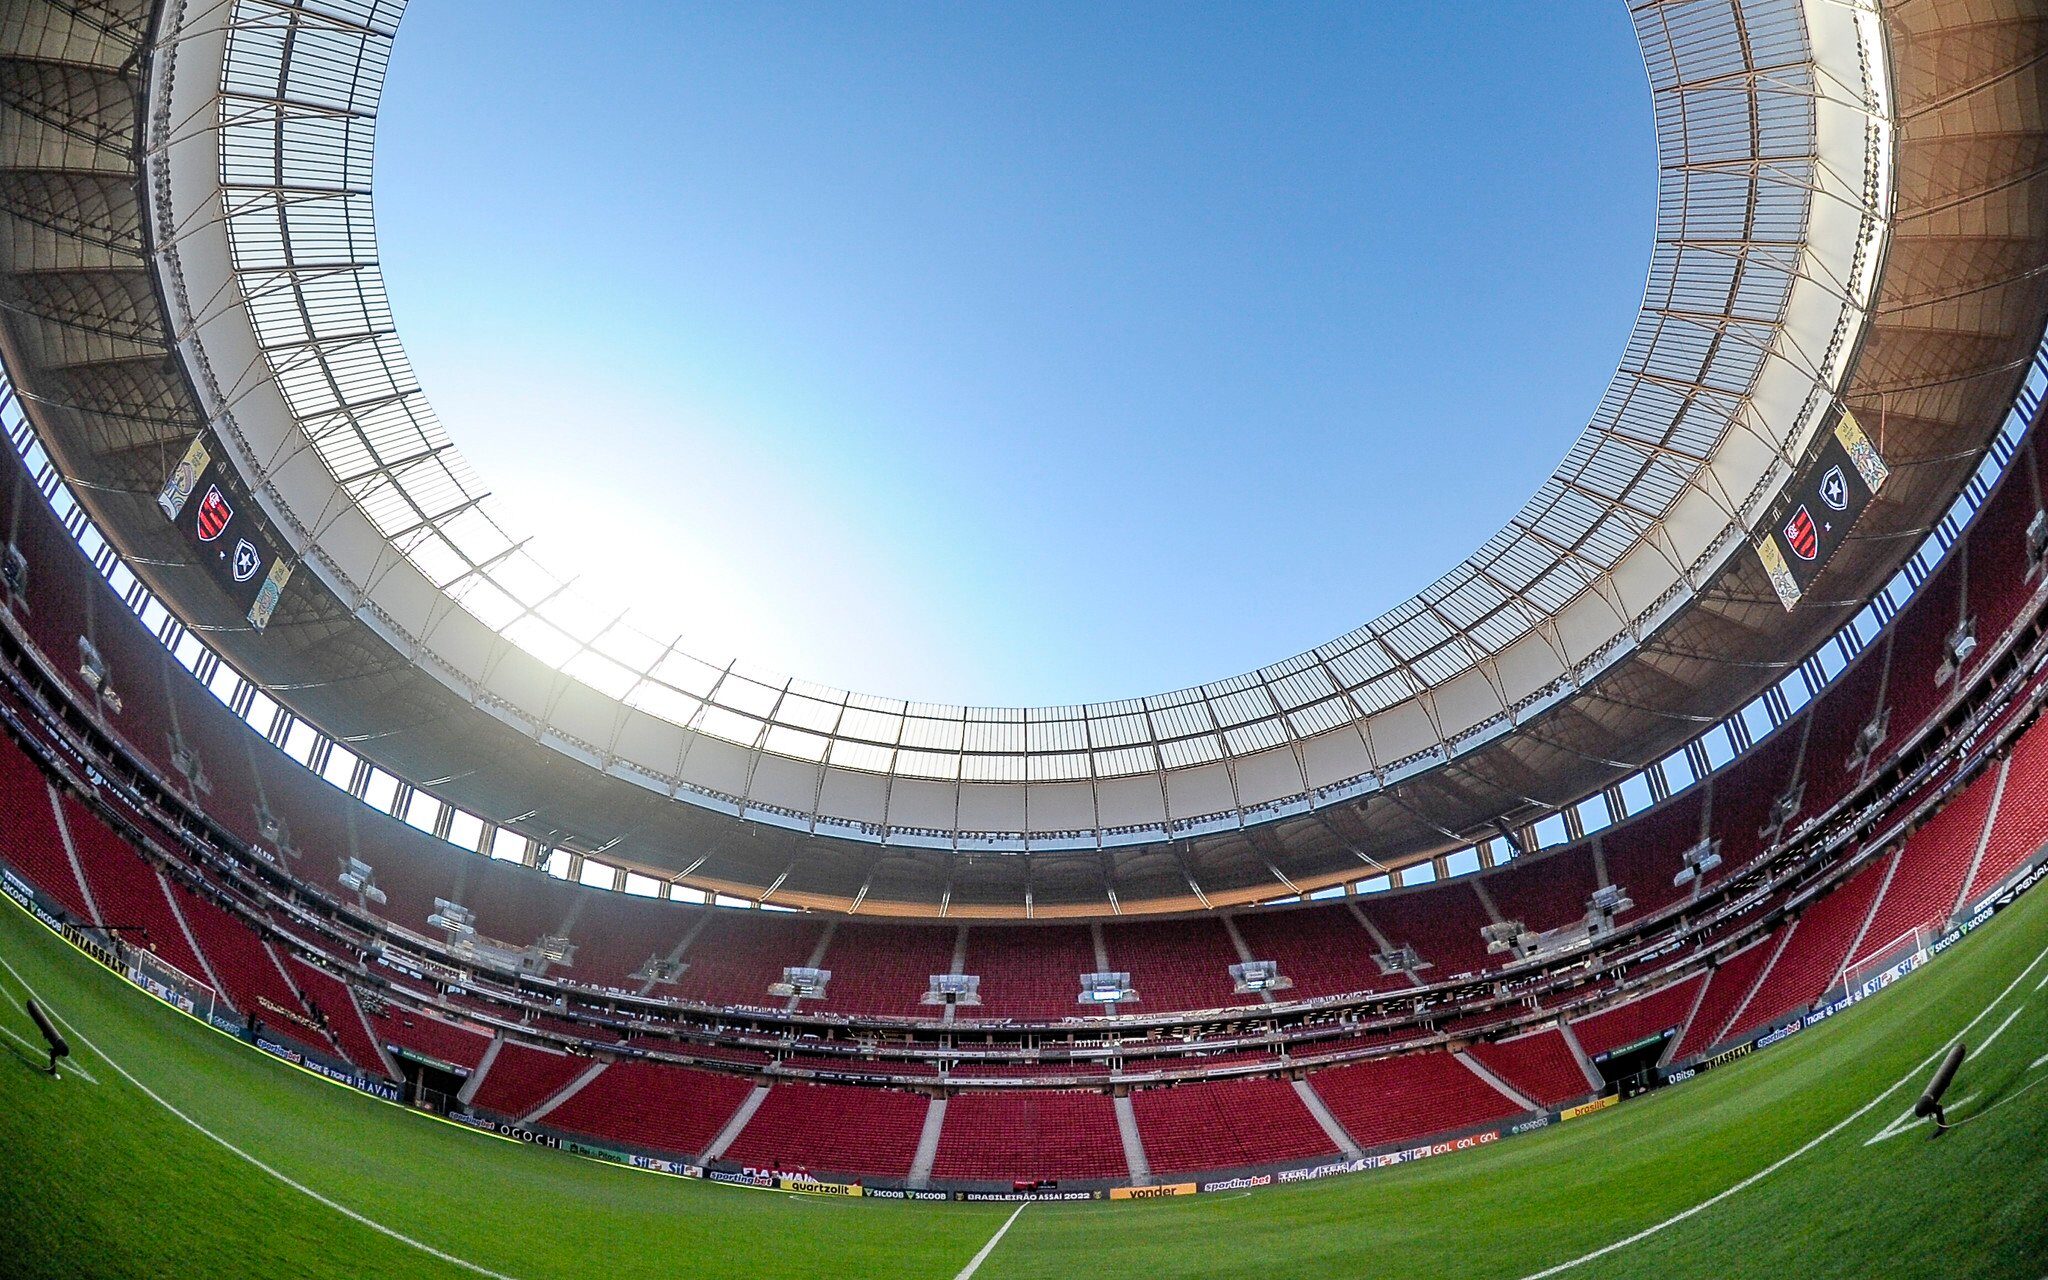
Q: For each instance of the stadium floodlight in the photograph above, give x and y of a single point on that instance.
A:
(358, 876)
(2037, 542)
(801, 982)
(1870, 737)
(1107, 988)
(1507, 935)
(1401, 959)
(1609, 900)
(953, 988)
(657, 971)
(555, 948)
(92, 668)
(14, 570)
(1258, 975)
(458, 920)
(1701, 858)
(1956, 650)
(1786, 806)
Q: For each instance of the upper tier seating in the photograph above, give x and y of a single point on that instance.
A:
(1030, 972)
(1545, 890)
(1176, 964)
(1323, 949)
(1644, 853)
(733, 957)
(885, 969)
(1441, 924)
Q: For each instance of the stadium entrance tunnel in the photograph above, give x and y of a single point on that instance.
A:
(430, 1084)
(1632, 1068)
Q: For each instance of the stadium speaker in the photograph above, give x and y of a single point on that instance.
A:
(1944, 1075)
(59, 1048)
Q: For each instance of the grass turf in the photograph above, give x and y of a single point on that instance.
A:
(101, 1180)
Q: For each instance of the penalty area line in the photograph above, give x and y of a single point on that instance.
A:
(1788, 1158)
(974, 1263)
(286, 1179)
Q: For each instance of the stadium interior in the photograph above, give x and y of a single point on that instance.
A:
(1649, 785)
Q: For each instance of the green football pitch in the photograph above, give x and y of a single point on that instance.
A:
(169, 1149)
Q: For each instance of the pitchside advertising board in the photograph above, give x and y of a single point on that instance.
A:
(225, 533)
(1816, 513)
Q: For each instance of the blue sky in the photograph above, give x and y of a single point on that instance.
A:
(1014, 353)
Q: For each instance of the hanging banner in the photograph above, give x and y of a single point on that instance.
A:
(1814, 516)
(226, 536)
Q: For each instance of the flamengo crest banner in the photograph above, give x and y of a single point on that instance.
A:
(226, 537)
(1817, 511)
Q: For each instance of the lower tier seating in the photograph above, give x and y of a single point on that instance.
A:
(1540, 1067)
(835, 1128)
(657, 1105)
(1391, 1100)
(1227, 1124)
(521, 1077)
(1002, 1137)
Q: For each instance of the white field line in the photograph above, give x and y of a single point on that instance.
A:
(974, 1263)
(1784, 1160)
(2039, 1062)
(2001, 1031)
(299, 1187)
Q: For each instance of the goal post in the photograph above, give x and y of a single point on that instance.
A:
(1875, 961)
(172, 985)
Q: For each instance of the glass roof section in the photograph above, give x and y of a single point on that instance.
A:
(1774, 191)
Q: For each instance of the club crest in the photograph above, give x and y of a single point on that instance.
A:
(214, 514)
(247, 562)
(1801, 535)
(1834, 489)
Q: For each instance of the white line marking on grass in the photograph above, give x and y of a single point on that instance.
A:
(40, 1050)
(1784, 1160)
(2001, 1030)
(2037, 1063)
(286, 1179)
(974, 1263)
